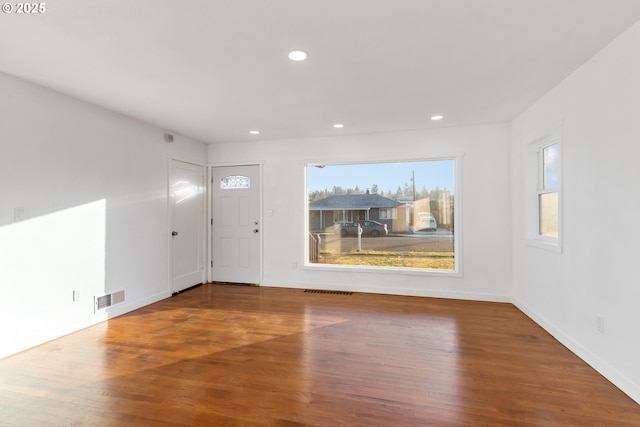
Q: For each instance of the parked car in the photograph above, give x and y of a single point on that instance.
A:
(369, 228)
(426, 221)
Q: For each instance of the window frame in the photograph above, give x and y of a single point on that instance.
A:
(390, 213)
(235, 182)
(457, 220)
(540, 240)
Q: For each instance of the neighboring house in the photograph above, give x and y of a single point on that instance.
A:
(441, 208)
(352, 207)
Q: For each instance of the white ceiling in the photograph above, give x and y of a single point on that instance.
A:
(215, 69)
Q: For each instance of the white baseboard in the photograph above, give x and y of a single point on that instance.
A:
(120, 309)
(613, 375)
(431, 293)
(50, 335)
(109, 313)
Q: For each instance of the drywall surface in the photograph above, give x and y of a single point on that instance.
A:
(83, 212)
(595, 112)
(482, 200)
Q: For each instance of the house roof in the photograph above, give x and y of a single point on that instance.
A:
(353, 202)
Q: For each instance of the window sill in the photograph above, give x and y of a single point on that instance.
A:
(383, 270)
(551, 245)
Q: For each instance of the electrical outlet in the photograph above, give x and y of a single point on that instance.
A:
(76, 296)
(295, 265)
(600, 323)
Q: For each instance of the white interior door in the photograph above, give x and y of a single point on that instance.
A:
(187, 225)
(236, 225)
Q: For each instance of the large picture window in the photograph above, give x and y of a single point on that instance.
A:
(383, 215)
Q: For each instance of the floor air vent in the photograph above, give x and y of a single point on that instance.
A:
(109, 300)
(320, 291)
(103, 302)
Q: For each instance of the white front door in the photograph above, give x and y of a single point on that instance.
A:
(236, 224)
(187, 225)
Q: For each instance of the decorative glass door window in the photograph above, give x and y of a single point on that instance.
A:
(235, 182)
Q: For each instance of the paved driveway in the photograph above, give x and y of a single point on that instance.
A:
(424, 242)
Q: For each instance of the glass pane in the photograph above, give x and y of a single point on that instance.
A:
(550, 167)
(234, 182)
(549, 214)
(404, 212)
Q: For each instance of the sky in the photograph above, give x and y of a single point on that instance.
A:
(551, 166)
(388, 176)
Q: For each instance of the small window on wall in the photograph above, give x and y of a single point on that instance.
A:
(387, 213)
(548, 192)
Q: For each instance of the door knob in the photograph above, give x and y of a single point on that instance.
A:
(174, 233)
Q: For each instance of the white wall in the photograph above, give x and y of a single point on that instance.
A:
(91, 186)
(598, 107)
(485, 213)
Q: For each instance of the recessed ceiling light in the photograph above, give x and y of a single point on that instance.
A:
(338, 126)
(298, 55)
(254, 132)
(437, 117)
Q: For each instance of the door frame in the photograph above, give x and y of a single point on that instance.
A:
(170, 224)
(209, 203)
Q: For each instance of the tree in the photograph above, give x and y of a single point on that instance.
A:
(407, 190)
(399, 194)
(423, 193)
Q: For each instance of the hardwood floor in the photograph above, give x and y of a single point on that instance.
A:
(223, 355)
